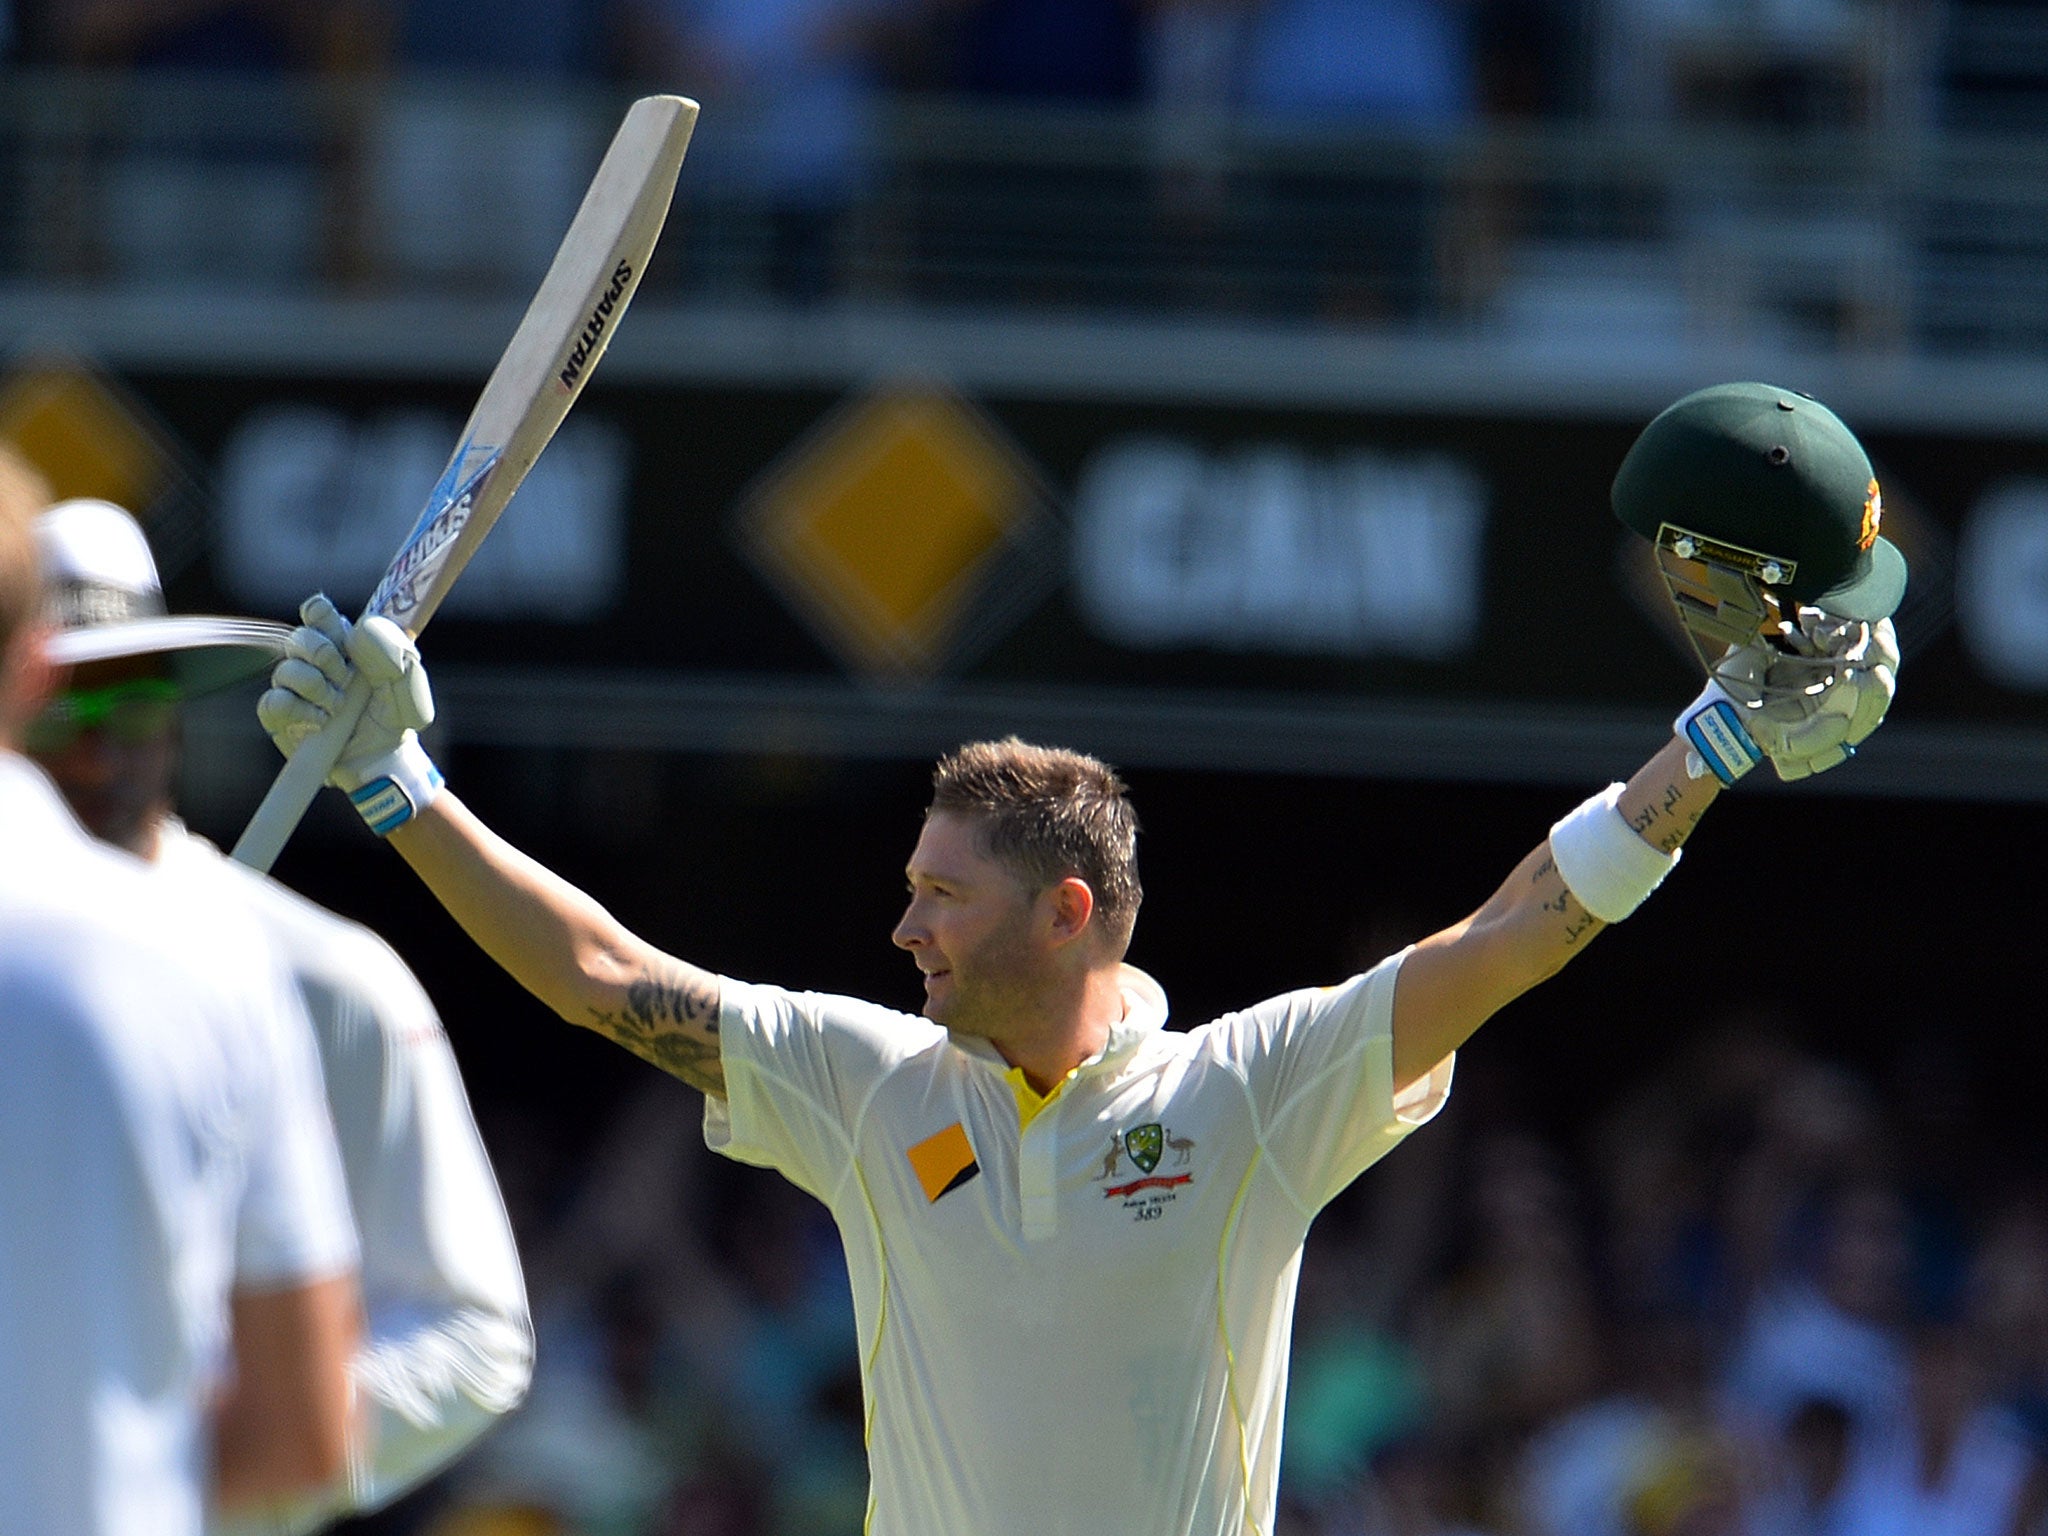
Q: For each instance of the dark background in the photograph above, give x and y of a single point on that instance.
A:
(1878, 930)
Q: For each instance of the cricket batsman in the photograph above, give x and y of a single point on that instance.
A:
(1074, 1235)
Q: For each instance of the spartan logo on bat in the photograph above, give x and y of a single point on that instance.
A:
(402, 590)
(599, 322)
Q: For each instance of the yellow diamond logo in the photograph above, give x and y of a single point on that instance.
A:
(87, 437)
(83, 437)
(886, 527)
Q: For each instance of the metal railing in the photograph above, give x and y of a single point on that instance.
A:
(1848, 239)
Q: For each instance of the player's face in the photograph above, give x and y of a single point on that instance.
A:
(970, 928)
(109, 740)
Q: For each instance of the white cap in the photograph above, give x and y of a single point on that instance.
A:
(107, 601)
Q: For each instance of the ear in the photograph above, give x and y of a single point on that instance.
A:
(27, 680)
(1073, 907)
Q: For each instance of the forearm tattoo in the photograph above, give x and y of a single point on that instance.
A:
(670, 1018)
(1577, 921)
(1666, 819)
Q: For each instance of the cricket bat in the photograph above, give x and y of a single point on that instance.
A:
(572, 318)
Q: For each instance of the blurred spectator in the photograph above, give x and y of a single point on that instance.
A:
(1834, 1333)
(1798, 1486)
(1512, 1336)
(1785, 245)
(698, 1373)
(1662, 1154)
(1785, 63)
(1692, 1486)
(793, 85)
(1584, 1471)
(1192, 56)
(1370, 251)
(242, 193)
(1044, 50)
(2006, 1300)
(481, 147)
(593, 1447)
(1954, 1464)
(613, 1271)
(787, 1374)
(1392, 61)
(1192, 53)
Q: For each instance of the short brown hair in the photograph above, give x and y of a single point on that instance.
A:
(23, 494)
(1047, 814)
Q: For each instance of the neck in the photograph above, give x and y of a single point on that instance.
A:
(148, 841)
(1080, 1030)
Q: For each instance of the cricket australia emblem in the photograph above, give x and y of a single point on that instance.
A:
(1145, 1146)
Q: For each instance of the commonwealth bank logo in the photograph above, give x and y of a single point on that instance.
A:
(943, 1162)
(907, 530)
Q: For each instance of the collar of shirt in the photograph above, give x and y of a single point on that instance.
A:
(31, 808)
(179, 847)
(1144, 1015)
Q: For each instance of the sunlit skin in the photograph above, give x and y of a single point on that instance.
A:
(120, 791)
(1029, 971)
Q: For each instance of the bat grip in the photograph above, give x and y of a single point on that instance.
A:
(292, 791)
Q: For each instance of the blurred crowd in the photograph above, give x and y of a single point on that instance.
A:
(1416, 61)
(1757, 1292)
(465, 137)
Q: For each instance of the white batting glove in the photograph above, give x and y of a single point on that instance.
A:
(1716, 725)
(383, 769)
(1823, 693)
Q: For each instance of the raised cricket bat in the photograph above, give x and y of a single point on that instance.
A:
(566, 329)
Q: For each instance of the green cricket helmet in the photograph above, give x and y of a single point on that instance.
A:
(1770, 481)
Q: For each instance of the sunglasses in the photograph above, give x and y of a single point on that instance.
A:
(132, 714)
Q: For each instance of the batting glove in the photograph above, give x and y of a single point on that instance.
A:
(1716, 725)
(1822, 690)
(383, 769)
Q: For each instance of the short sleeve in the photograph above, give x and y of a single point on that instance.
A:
(800, 1071)
(1319, 1067)
(294, 1224)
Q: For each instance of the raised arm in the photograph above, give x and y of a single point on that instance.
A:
(1804, 703)
(563, 947)
(1456, 980)
(551, 937)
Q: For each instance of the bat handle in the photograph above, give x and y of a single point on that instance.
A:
(292, 791)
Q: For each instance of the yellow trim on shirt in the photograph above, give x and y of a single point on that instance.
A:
(1030, 1102)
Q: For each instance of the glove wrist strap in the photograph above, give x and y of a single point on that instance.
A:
(392, 789)
(1712, 726)
(1604, 863)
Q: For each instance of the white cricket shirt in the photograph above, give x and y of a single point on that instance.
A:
(1079, 1326)
(448, 1346)
(162, 1140)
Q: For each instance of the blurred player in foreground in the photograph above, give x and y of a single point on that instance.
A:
(178, 1298)
(449, 1346)
(1074, 1237)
